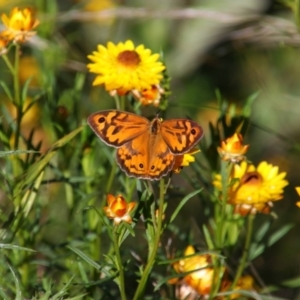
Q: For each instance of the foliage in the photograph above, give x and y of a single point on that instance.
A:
(189, 235)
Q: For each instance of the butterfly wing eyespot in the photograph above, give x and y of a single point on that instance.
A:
(101, 120)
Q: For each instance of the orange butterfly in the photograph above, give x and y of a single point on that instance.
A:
(145, 149)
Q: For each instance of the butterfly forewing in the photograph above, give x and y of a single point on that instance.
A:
(116, 128)
(181, 135)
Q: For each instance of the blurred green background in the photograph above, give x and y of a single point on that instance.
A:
(236, 47)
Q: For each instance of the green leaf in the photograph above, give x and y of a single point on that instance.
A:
(255, 250)
(35, 169)
(17, 284)
(279, 234)
(261, 231)
(63, 291)
(246, 112)
(16, 152)
(63, 141)
(125, 231)
(25, 89)
(182, 203)
(232, 233)
(6, 90)
(11, 246)
(85, 258)
(292, 283)
(208, 238)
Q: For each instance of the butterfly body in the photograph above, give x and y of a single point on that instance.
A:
(145, 149)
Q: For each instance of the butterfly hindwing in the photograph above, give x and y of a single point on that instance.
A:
(147, 157)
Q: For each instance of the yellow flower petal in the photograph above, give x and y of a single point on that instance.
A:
(254, 188)
(125, 67)
(19, 24)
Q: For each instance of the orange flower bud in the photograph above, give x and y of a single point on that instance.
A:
(118, 209)
(233, 149)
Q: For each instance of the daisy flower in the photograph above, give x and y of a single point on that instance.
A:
(19, 24)
(123, 67)
(253, 189)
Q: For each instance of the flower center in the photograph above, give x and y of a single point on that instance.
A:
(251, 178)
(129, 58)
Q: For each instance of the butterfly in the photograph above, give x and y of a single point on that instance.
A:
(145, 149)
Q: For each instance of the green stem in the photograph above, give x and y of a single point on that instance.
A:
(123, 103)
(244, 259)
(117, 101)
(221, 228)
(153, 244)
(119, 264)
(111, 177)
(221, 214)
(17, 98)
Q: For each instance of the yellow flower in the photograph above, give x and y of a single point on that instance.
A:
(298, 192)
(124, 67)
(254, 189)
(118, 209)
(201, 279)
(149, 96)
(245, 283)
(19, 24)
(233, 149)
(184, 160)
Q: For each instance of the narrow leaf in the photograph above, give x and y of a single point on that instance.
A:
(63, 291)
(17, 284)
(63, 141)
(208, 238)
(182, 203)
(85, 257)
(261, 232)
(292, 283)
(16, 152)
(34, 170)
(16, 247)
(279, 234)
(25, 89)
(256, 250)
(6, 90)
